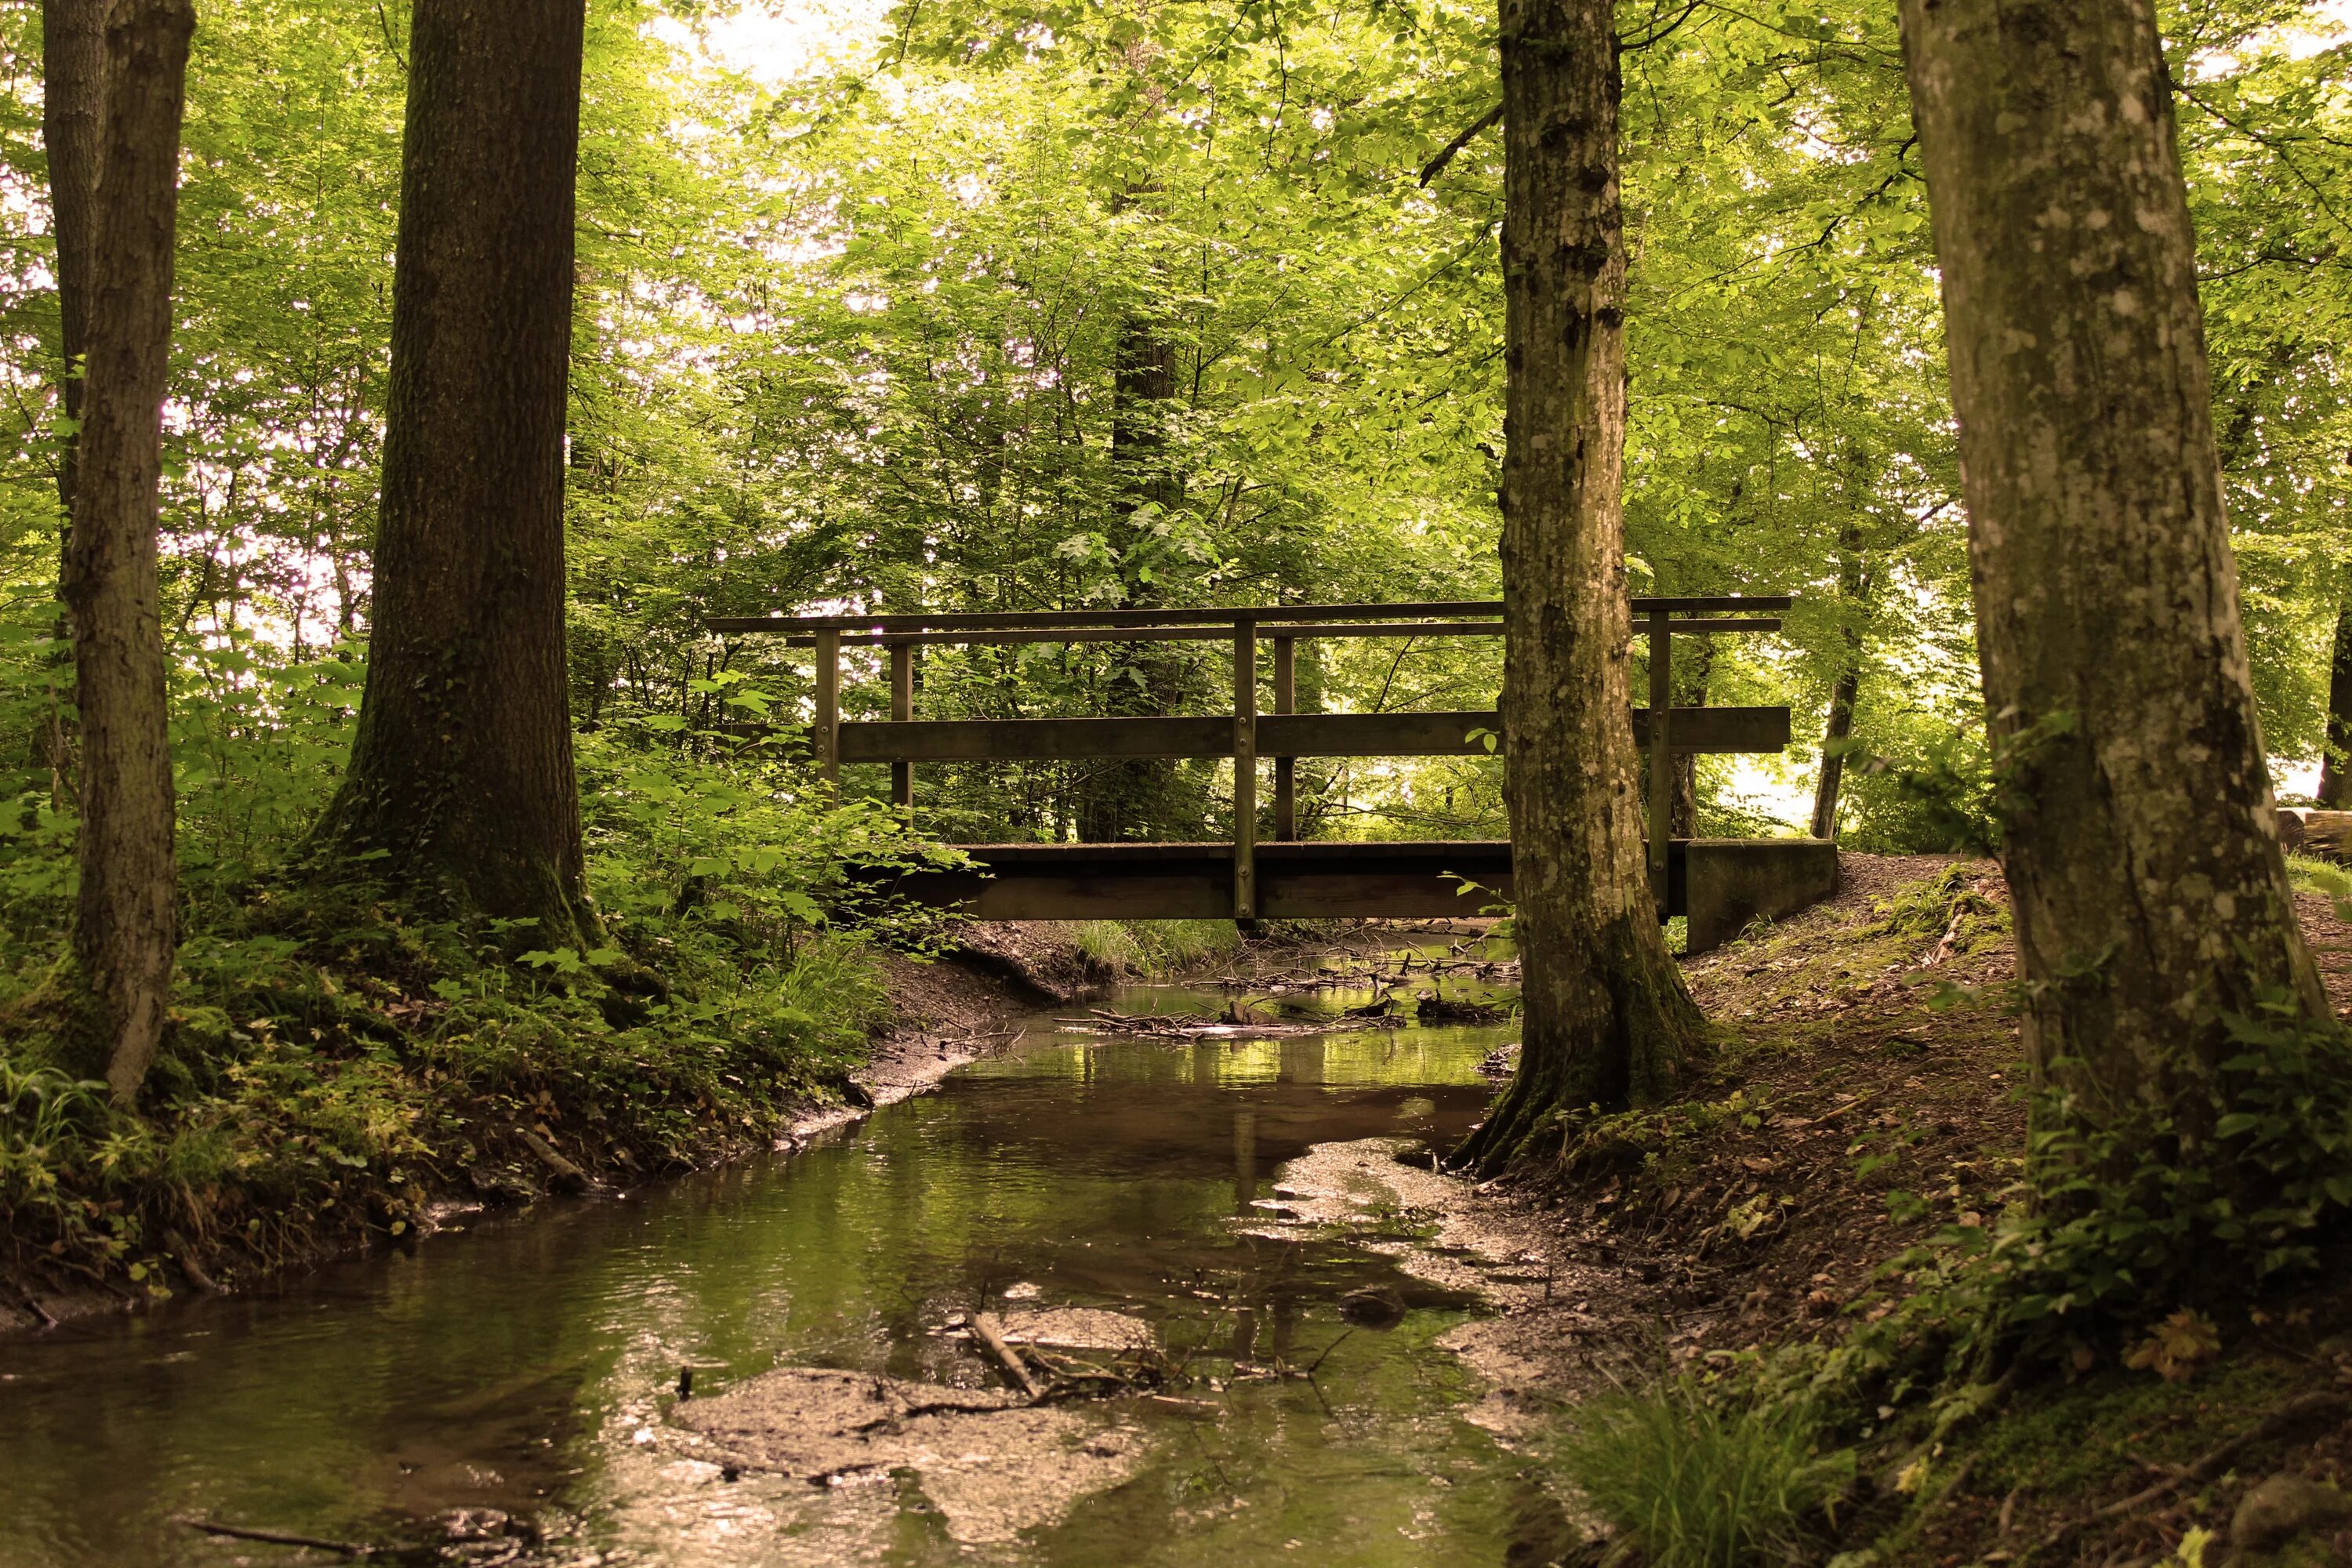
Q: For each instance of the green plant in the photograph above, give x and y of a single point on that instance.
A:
(1690, 1481)
(1154, 949)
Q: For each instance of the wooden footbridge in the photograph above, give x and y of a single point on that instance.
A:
(1718, 883)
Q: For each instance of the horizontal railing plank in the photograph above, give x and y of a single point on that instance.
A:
(1711, 729)
(1270, 617)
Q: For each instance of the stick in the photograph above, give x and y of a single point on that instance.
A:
(278, 1538)
(2270, 1425)
(985, 1328)
(564, 1169)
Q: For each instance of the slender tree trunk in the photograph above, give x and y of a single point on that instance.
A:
(2140, 844)
(125, 923)
(2335, 767)
(1854, 589)
(1691, 683)
(1131, 799)
(461, 780)
(1607, 1020)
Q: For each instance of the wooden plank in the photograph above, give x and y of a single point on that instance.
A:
(1266, 615)
(825, 725)
(1285, 764)
(1245, 769)
(1710, 730)
(902, 709)
(1018, 740)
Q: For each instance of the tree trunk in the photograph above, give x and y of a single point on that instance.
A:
(2139, 838)
(1853, 590)
(1690, 691)
(125, 923)
(2336, 766)
(1608, 1021)
(1126, 800)
(461, 784)
(73, 95)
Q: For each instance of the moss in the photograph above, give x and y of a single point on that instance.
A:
(2087, 1436)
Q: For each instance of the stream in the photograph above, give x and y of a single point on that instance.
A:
(508, 1392)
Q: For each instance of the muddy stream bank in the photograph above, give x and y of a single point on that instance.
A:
(1204, 1215)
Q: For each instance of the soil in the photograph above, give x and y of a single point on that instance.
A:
(1867, 1095)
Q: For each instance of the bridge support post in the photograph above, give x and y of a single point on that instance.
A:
(824, 724)
(1285, 769)
(1244, 768)
(902, 708)
(1662, 757)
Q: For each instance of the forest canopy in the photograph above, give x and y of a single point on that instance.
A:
(1017, 307)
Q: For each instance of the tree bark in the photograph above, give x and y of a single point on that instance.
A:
(1691, 682)
(73, 93)
(1125, 800)
(1607, 1020)
(2336, 765)
(125, 920)
(2140, 839)
(1854, 589)
(461, 784)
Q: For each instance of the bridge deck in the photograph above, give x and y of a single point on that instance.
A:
(1721, 882)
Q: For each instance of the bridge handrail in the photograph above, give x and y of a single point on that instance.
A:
(1657, 619)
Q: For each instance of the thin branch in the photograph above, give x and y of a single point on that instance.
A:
(1436, 166)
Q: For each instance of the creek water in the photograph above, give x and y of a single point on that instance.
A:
(525, 1370)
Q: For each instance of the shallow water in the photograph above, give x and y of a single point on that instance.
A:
(528, 1364)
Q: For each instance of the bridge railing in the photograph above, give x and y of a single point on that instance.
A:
(1247, 733)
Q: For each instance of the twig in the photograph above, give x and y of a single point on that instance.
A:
(278, 1538)
(991, 1335)
(2292, 1412)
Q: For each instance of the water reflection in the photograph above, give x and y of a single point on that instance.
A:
(527, 1366)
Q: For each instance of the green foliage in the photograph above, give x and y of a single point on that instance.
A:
(1154, 949)
(1951, 905)
(1691, 1481)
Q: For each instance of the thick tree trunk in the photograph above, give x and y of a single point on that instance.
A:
(73, 94)
(461, 781)
(1608, 1021)
(2335, 767)
(2140, 844)
(125, 923)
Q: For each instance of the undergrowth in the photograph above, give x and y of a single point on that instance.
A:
(337, 1060)
(1693, 1481)
(1154, 949)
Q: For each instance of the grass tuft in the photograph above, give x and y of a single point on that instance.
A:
(1689, 1484)
(1154, 950)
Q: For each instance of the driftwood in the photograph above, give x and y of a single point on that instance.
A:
(278, 1538)
(567, 1175)
(990, 1334)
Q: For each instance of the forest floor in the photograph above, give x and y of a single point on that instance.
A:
(1868, 1098)
(509, 1146)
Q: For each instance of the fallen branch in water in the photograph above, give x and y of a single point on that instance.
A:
(277, 1537)
(990, 1333)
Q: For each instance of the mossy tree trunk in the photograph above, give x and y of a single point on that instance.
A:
(1608, 1021)
(126, 916)
(1845, 687)
(2140, 837)
(461, 785)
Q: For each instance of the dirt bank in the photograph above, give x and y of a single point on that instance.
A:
(1865, 1097)
(944, 1011)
